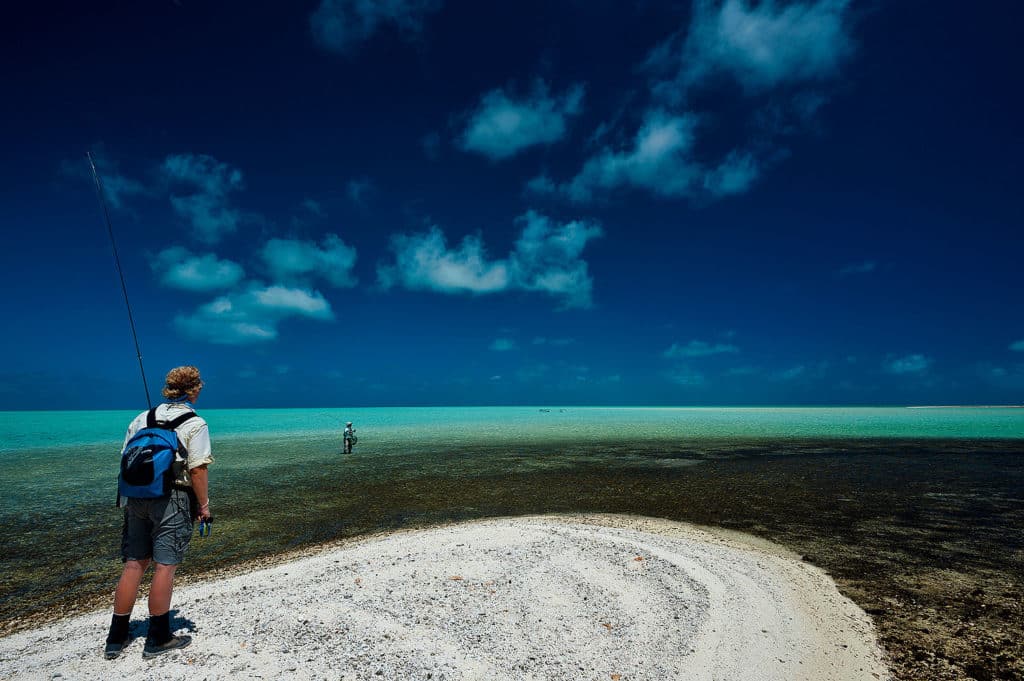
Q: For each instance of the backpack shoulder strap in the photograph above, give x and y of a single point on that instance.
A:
(174, 423)
(151, 418)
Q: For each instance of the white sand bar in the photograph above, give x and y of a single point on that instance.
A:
(543, 597)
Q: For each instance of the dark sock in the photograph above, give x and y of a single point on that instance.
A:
(118, 628)
(159, 629)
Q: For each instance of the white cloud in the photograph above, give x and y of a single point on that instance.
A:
(660, 160)
(292, 260)
(785, 50)
(1017, 346)
(910, 364)
(117, 188)
(178, 267)
(698, 348)
(423, 261)
(200, 186)
(733, 175)
(502, 126)
(503, 344)
(762, 46)
(341, 25)
(546, 258)
(253, 315)
(286, 300)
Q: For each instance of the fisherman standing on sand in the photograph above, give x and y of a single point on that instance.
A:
(349, 436)
(158, 530)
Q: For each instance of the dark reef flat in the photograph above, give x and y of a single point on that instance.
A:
(925, 535)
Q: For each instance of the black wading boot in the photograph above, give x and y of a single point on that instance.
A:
(159, 640)
(118, 636)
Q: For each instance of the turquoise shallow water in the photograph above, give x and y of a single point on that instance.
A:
(387, 428)
(62, 459)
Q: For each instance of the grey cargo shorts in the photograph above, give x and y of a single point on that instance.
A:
(158, 529)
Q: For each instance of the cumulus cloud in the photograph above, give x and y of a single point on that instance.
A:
(780, 54)
(502, 125)
(698, 348)
(546, 258)
(253, 315)
(119, 188)
(910, 364)
(423, 261)
(341, 25)
(292, 260)
(200, 188)
(1017, 346)
(178, 267)
(760, 45)
(733, 175)
(659, 160)
(503, 344)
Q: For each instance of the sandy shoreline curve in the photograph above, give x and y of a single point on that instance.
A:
(536, 597)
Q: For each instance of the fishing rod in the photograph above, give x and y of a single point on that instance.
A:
(124, 289)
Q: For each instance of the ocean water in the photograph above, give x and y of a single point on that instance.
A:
(279, 480)
(53, 457)
(388, 427)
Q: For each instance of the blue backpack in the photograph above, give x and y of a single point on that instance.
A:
(147, 462)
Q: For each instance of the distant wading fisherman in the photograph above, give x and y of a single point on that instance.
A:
(158, 530)
(349, 436)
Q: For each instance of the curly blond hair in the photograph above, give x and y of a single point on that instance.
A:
(182, 381)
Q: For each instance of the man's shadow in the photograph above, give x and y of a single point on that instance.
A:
(139, 628)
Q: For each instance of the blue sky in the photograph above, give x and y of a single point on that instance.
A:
(342, 203)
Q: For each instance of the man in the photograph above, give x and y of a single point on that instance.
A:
(158, 530)
(349, 436)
